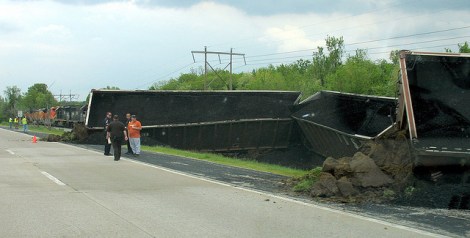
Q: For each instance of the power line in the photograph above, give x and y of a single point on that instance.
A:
(269, 62)
(405, 36)
(166, 75)
(346, 51)
(206, 63)
(322, 22)
(351, 44)
(357, 43)
(395, 18)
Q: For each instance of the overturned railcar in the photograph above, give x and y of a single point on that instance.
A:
(338, 124)
(201, 120)
(67, 116)
(434, 106)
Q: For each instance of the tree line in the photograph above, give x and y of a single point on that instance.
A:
(329, 68)
(38, 96)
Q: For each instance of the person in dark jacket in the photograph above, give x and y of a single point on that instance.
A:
(117, 133)
(107, 120)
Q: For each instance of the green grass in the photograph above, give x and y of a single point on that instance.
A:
(305, 182)
(220, 159)
(46, 130)
(41, 129)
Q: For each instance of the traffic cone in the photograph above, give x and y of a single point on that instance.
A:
(35, 139)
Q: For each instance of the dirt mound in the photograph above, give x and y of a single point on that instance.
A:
(379, 172)
(79, 133)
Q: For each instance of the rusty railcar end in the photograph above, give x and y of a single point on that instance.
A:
(435, 96)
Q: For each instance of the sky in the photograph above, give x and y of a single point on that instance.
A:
(78, 45)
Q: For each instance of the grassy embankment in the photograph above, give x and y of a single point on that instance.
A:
(215, 158)
(40, 128)
(220, 159)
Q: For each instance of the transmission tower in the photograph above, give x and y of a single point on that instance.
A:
(63, 97)
(206, 63)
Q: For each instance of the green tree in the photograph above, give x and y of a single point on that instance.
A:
(3, 105)
(38, 96)
(395, 56)
(12, 100)
(361, 75)
(327, 64)
(463, 48)
(111, 88)
(319, 67)
(335, 48)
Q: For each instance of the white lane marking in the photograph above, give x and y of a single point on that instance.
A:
(281, 198)
(11, 152)
(57, 181)
(295, 201)
(19, 133)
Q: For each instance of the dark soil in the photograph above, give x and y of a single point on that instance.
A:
(448, 191)
(296, 156)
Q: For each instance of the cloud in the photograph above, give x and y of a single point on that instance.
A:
(53, 31)
(290, 38)
(130, 44)
(7, 28)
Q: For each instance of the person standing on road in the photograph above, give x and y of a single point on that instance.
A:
(17, 121)
(116, 131)
(24, 121)
(129, 149)
(10, 122)
(106, 122)
(134, 128)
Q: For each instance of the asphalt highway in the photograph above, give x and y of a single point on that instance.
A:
(59, 190)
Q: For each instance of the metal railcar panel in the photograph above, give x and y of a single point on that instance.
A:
(437, 108)
(202, 120)
(338, 124)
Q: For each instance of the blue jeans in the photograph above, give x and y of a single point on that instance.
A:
(25, 127)
(135, 145)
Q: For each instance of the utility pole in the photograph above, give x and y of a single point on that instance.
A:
(70, 96)
(206, 63)
(231, 53)
(205, 67)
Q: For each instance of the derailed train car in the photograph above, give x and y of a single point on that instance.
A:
(67, 116)
(434, 106)
(338, 124)
(43, 116)
(433, 92)
(201, 120)
(60, 116)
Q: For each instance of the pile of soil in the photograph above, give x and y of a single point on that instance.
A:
(383, 171)
(78, 134)
(380, 172)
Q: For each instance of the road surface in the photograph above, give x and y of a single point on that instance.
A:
(58, 190)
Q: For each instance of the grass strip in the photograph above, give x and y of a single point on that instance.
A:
(215, 158)
(46, 130)
(40, 128)
(220, 159)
